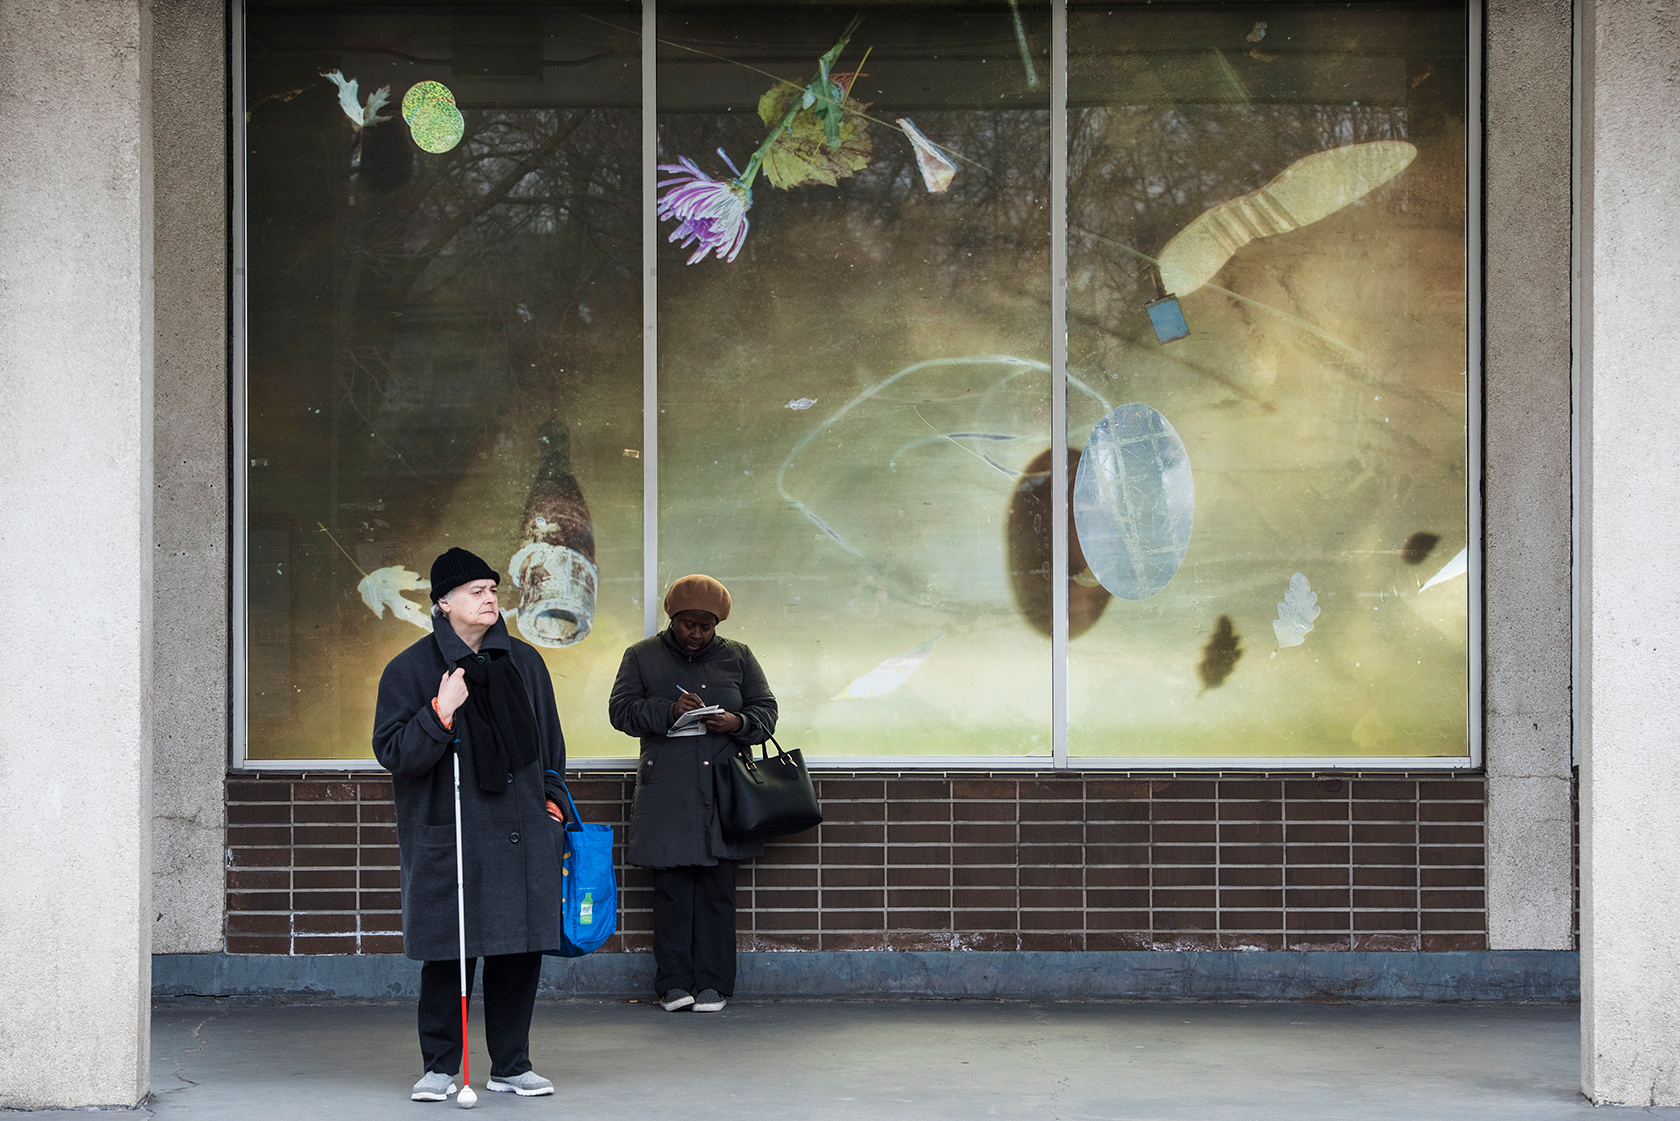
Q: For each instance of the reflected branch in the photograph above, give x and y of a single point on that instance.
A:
(409, 273)
(1096, 324)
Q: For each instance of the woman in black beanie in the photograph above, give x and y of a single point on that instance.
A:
(472, 689)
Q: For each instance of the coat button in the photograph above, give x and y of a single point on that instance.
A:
(510, 778)
(513, 838)
(705, 762)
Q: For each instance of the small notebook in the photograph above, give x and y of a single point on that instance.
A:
(692, 723)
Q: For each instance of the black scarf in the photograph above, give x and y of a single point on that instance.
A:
(498, 719)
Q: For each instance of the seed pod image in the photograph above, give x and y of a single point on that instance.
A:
(1307, 191)
(554, 568)
(1418, 547)
(1220, 655)
(1029, 548)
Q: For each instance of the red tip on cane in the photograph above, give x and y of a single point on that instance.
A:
(466, 1066)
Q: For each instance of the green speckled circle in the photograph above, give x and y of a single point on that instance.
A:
(438, 130)
(423, 95)
(429, 108)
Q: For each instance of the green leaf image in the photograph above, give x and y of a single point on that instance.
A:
(803, 155)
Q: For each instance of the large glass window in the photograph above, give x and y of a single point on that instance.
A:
(868, 223)
(846, 407)
(443, 347)
(1274, 507)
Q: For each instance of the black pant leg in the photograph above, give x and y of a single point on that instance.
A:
(714, 927)
(673, 929)
(510, 994)
(440, 1014)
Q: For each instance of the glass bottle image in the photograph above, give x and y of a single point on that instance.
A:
(554, 568)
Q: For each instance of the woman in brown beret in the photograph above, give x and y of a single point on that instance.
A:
(674, 826)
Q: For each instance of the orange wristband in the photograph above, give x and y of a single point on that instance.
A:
(448, 725)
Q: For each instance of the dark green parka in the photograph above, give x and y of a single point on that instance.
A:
(673, 817)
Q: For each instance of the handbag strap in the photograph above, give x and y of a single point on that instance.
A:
(746, 752)
(573, 821)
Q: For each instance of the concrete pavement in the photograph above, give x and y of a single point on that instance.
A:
(816, 1061)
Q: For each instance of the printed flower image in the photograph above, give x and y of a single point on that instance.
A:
(710, 211)
(819, 135)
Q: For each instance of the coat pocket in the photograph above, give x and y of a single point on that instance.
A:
(647, 766)
(429, 894)
(437, 836)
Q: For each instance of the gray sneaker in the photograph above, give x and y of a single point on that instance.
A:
(433, 1087)
(675, 1000)
(527, 1085)
(710, 1001)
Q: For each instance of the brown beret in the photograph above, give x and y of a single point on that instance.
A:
(698, 593)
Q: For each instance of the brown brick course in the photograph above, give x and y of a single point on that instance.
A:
(956, 861)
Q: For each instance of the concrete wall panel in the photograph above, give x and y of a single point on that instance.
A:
(190, 508)
(1630, 611)
(76, 548)
(1527, 481)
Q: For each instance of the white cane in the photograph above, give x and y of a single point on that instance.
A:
(466, 1099)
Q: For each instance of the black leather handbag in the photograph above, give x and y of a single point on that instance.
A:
(770, 796)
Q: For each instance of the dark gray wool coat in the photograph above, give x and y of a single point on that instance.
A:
(508, 840)
(673, 817)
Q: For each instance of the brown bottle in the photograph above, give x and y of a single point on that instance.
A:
(555, 565)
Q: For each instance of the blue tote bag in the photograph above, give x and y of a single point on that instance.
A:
(588, 885)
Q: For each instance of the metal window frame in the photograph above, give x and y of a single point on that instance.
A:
(1576, 558)
(238, 553)
(1059, 758)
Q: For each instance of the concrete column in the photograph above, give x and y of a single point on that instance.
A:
(1630, 611)
(1530, 874)
(75, 547)
(190, 507)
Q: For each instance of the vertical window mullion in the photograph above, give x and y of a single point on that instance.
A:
(239, 618)
(650, 324)
(1058, 386)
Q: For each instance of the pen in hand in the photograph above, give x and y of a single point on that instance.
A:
(718, 722)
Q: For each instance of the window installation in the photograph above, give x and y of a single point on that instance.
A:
(1052, 385)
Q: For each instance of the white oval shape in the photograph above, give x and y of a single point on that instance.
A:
(1134, 503)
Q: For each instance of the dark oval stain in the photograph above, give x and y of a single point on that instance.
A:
(1219, 656)
(1418, 546)
(1027, 539)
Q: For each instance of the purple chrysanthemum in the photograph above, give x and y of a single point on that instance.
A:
(710, 211)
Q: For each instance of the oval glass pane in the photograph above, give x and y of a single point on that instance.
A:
(1134, 503)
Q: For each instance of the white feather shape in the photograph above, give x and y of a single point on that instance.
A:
(1458, 566)
(1296, 613)
(383, 587)
(890, 674)
(349, 99)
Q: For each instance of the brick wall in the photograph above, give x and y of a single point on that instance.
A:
(956, 861)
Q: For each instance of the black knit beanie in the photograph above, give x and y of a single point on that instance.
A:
(457, 567)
